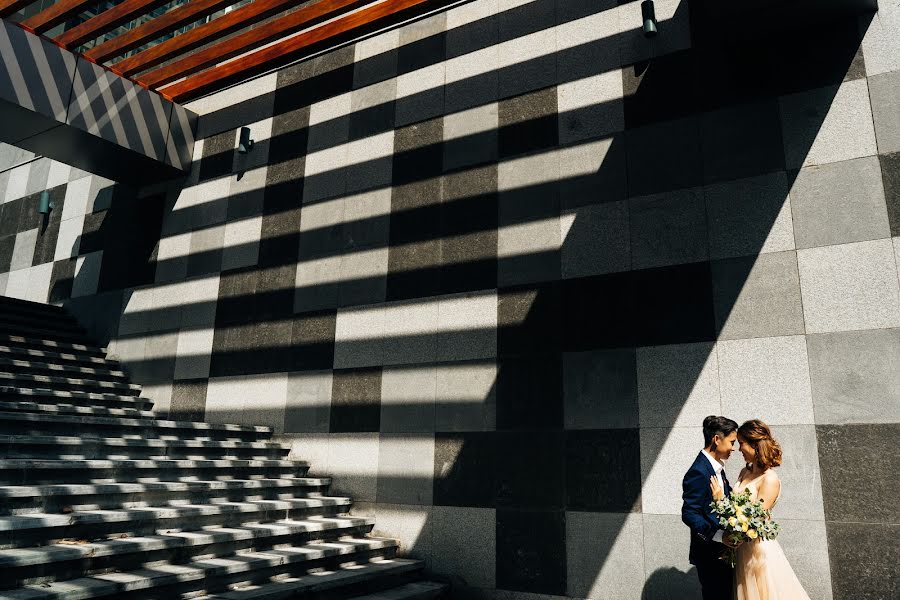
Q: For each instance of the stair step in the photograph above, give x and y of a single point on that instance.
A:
(59, 446)
(43, 313)
(8, 393)
(227, 538)
(416, 590)
(108, 496)
(57, 357)
(10, 302)
(39, 367)
(46, 332)
(14, 320)
(217, 573)
(64, 409)
(320, 583)
(50, 345)
(68, 383)
(14, 423)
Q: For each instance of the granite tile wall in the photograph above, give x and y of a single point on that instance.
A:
(490, 270)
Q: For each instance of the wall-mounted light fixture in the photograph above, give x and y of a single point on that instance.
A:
(245, 144)
(648, 15)
(45, 205)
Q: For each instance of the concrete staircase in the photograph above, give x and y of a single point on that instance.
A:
(100, 499)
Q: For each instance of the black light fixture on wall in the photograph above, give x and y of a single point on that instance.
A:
(45, 205)
(245, 144)
(648, 15)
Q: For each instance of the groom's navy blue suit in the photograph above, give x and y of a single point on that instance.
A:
(716, 575)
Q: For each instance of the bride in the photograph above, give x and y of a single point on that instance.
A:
(762, 571)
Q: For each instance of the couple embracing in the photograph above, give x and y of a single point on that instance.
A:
(761, 571)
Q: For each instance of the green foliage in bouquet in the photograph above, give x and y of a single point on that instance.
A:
(743, 520)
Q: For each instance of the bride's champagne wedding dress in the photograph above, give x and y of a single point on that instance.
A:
(762, 571)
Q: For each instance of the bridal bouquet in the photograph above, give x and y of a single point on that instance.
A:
(743, 520)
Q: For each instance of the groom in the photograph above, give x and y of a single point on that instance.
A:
(716, 575)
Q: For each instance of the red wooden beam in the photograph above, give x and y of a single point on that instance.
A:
(284, 51)
(244, 42)
(106, 21)
(155, 28)
(55, 14)
(234, 21)
(9, 7)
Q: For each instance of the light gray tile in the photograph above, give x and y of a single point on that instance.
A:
(669, 575)
(310, 447)
(595, 240)
(408, 399)
(808, 560)
(69, 238)
(666, 455)
(604, 552)
(87, 274)
(668, 229)
(466, 396)
(4, 278)
(410, 332)
(470, 136)
(241, 241)
(17, 183)
(827, 125)
(23, 251)
(749, 216)
(77, 194)
(363, 277)
(677, 384)
(881, 45)
(194, 353)
(757, 296)
(411, 526)
(454, 553)
(252, 399)
(884, 91)
(590, 108)
(839, 203)
(852, 286)
(467, 326)
(37, 176)
(405, 468)
(359, 337)
(353, 465)
(766, 378)
(39, 282)
(856, 376)
(675, 31)
(308, 407)
(600, 389)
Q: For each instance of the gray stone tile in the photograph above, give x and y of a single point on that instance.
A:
(666, 454)
(604, 552)
(308, 406)
(600, 389)
(405, 468)
(466, 396)
(595, 240)
(359, 337)
(353, 465)
(839, 203)
(408, 399)
(890, 173)
(470, 136)
(749, 216)
(880, 44)
(856, 376)
(194, 353)
(677, 384)
(410, 332)
(809, 561)
(188, 400)
(851, 286)
(591, 107)
(864, 557)
(592, 173)
(766, 378)
(4, 277)
(827, 125)
(669, 575)
(884, 92)
(455, 528)
(87, 274)
(410, 525)
(467, 326)
(668, 229)
(757, 296)
(23, 251)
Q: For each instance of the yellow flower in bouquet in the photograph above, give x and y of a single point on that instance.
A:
(743, 520)
(752, 534)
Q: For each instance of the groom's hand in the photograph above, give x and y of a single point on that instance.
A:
(730, 542)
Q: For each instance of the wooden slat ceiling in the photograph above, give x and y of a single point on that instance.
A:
(254, 38)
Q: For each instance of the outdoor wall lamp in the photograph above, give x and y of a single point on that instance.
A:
(44, 204)
(648, 15)
(245, 144)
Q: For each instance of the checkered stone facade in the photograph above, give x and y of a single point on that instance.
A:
(491, 268)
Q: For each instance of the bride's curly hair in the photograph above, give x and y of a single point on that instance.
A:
(757, 434)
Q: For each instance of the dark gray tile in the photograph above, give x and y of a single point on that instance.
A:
(742, 141)
(356, 400)
(7, 243)
(604, 183)
(864, 559)
(464, 469)
(858, 464)
(663, 157)
(529, 320)
(600, 389)
(188, 400)
(531, 470)
(61, 280)
(531, 551)
(603, 470)
(890, 174)
(528, 123)
(529, 392)
(312, 341)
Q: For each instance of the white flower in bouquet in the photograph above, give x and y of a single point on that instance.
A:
(743, 520)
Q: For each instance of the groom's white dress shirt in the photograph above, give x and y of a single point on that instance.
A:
(717, 467)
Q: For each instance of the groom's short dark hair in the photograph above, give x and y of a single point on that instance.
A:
(713, 425)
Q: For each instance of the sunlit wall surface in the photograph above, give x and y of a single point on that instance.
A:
(491, 269)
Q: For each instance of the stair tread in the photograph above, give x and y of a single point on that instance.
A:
(38, 378)
(11, 350)
(93, 489)
(140, 442)
(74, 409)
(48, 366)
(5, 338)
(412, 589)
(142, 463)
(89, 517)
(132, 422)
(20, 557)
